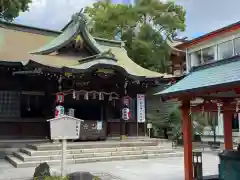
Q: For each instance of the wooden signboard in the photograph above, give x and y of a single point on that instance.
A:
(65, 127)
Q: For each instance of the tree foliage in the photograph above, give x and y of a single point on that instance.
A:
(146, 27)
(9, 9)
(200, 120)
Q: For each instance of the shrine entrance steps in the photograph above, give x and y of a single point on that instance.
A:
(86, 152)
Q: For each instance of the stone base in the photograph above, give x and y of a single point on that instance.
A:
(79, 152)
(123, 137)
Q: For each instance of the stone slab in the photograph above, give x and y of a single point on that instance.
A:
(32, 152)
(46, 157)
(90, 145)
(21, 164)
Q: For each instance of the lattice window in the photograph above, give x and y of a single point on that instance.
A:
(9, 104)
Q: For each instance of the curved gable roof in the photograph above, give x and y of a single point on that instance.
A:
(107, 53)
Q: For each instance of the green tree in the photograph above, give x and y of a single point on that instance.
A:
(211, 121)
(108, 19)
(9, 9)
(200, 120)
(146, 27)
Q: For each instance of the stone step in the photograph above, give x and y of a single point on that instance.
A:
(24, 157)
(90, 145)
(32, 152)
(22, 164)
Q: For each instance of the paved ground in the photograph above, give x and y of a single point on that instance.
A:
(164, 169)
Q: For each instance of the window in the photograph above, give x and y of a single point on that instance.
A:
(225, 50)
(9, 104)
(37, 106)
(208, 55)
(237, 46)
(195, 58)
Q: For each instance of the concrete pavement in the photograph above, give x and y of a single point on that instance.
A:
(164, 169)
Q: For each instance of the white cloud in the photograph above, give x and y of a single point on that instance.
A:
(202, 15)
(53, 14)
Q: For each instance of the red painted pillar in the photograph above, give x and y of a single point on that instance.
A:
(187, 138)
(227, 125)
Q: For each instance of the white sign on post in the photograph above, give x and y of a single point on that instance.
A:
(149, 127)
(99, 125)
(141, 108)
(63, 128)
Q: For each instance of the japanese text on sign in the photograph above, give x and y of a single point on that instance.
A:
(140, 108)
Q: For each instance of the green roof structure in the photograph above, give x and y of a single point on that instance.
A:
(105, 53)
(212, 75)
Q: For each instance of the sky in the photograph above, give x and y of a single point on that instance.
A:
(202, 16)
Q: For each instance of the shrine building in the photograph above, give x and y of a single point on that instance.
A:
(210, 84)
(213, 47)
(90, 78)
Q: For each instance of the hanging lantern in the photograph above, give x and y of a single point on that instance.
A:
(126, 114)
(86, 96)
(59, 97)
(126, 100)
(74, 95)
(59, 111)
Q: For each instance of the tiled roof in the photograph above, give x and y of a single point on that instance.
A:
(210, 75)
(100, 46)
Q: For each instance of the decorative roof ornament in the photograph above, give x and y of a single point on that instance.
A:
(80, 16)
(107, 53)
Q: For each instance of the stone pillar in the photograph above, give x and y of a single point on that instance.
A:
(187, 139)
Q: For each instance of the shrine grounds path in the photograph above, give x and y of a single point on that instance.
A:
(162, 169)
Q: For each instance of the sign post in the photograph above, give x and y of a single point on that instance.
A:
(149, 127)
(63, 163)
(141, 111)
(62, 128)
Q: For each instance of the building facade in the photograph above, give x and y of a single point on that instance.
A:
(215, 46)
(94, 77)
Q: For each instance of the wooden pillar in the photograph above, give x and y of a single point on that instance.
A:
(187, 139)
(227, 125)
